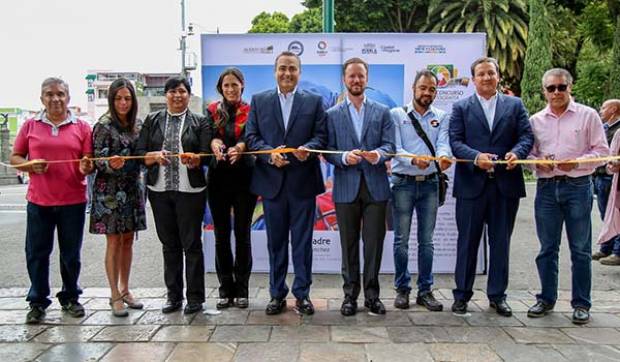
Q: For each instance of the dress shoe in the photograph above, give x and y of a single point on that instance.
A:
(349, 307)
(35, 315)
(459, 307)
(304, 306)
(581, 316)
(375, 306)
(402, 300)
(171, 306)
(242, 303)
(428, 300)
(501, 307)
(74, 309)
(599, 255)
(612, 259)
(192, 308)
(275, 306)
(224, 303)
(540, 309)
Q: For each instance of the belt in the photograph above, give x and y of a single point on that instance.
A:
(565, 178)
(417, 178)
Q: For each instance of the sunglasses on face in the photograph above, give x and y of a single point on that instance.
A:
(560, 88)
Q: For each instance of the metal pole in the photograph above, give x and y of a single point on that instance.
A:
(183, 36)
(328, 16)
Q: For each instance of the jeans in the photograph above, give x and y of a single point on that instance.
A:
(40, 225)
(407, 195)
(602, 187)
(566, 202)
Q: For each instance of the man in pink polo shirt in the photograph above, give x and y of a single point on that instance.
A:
(56, 196)
(565, 130)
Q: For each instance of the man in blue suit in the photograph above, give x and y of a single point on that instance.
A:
(484, 127)
(365, 130)
(287, 117)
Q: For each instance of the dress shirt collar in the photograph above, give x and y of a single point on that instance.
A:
(180, 115)
(572, 107)
(349, 101)
(431, 110)
(286, 95)
(483, 100)
(42, 116)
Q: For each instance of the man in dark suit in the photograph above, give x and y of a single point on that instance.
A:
(288, 117)
(485, 127)
(361, 189)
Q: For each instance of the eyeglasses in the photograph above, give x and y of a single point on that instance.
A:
(560, 88)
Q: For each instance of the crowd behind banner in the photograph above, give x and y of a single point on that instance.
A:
(271, 149)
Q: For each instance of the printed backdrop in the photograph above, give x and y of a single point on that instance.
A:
(393, 60)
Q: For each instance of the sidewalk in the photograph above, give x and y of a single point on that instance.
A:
(250, 335)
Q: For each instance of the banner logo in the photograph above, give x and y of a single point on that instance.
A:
(447, 75)
(369, 48)
(258, 50)
(321, 48)
(296, 47)
(390, 49)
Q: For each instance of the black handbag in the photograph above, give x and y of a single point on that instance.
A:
(443, 178)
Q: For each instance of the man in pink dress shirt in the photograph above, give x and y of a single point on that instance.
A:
(563, 131)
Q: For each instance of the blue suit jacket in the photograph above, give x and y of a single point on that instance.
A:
(377, 134)
(470, 135)
(264, 130)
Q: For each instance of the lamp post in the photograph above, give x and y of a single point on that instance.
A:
(328, 16)
(183, 44)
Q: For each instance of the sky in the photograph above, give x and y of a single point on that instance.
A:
(66, 38)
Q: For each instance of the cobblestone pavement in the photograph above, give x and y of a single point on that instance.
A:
(250, 335)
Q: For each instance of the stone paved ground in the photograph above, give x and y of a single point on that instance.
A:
(250, 335)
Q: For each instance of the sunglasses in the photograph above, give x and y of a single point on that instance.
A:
(560, 88)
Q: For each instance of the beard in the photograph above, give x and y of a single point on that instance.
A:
(424, 102)
(357, 91)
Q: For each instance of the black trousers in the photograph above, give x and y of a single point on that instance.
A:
(230, 189)
(178, 220)
(368, 217)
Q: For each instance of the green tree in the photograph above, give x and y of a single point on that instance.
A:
(310, 21)
(537, 56)
(613, 91)
(592, 75)
(504, 22)
(269, 23)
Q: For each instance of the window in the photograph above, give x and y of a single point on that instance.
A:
(102, 93)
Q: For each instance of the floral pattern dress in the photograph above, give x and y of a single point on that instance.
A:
(118, 195)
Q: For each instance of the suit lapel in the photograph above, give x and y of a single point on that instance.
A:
(368, 114)
(500, 109)
(277, 110)
(161, 120)
(298, 100)
(476, 107)
(348, 123)
(189, 118)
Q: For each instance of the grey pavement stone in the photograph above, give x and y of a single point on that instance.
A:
(152, 352)
(13, 316)
(303, 333)
(398, 352)
(512, 352)
(491, 319)
(142, 293)
(64, 334)
(157, 317)
(58, 317)
(519, 294)
(13, 303)
(104, 304)
(593, 335)
(329, 318)
(125, 334)
(13, 292)
(436, 319)
(214, 293)
(390, 319)
(359, 334)
(605, 295)
(516, 305)
(21, 352)
(417, 334)
(206, 352)
(605, 307)
(227, 317)
(537, 335)
(183, 334)
(105, 317)
(463, 352)
(96, 293)
(75, 352)
(601, 320)
(241, 334)
(488, 335)
(332, 352)
(580, 353)
(271, 352)
(19, 333)
(551, 320)
(287, 318)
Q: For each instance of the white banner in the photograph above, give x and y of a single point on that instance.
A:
(393, 61)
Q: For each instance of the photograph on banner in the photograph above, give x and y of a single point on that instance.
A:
(393, 60)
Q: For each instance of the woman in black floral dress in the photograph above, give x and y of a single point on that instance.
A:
(117, 208)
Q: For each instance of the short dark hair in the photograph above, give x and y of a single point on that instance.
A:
(235, 72)
(424, 73)
(354, 60)
(484, 60)
(133, 111)
(286, 53)
(176, 81)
